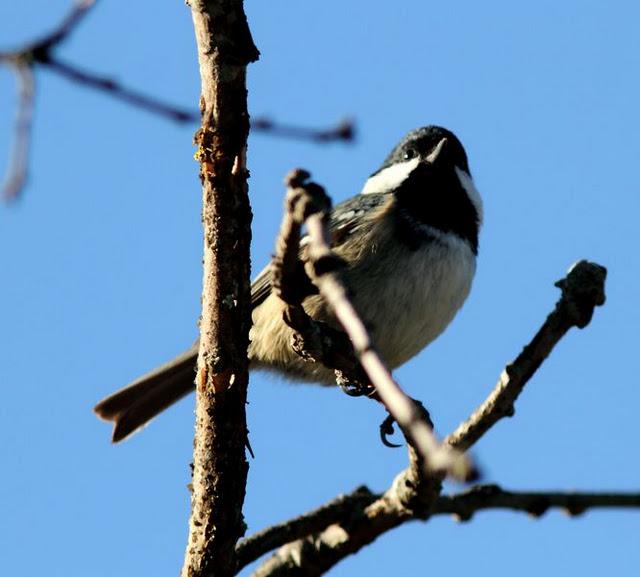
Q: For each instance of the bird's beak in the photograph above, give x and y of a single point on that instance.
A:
(431, 159)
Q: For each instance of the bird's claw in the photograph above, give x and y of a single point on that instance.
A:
(386, 430)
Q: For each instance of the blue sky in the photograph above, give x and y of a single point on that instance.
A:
(101, 276)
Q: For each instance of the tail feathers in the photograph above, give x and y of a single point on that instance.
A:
(135, 405)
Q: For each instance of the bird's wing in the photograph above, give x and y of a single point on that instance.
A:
(344, 220)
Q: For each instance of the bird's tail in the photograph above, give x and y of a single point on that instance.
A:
(136, 404)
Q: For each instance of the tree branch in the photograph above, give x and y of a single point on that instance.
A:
(336, 510)
(22, 61)
(582, 290)
(220, 468)
(19, 159)
(343, 131)
(413, 496)
(42, 52)
(462, 505)
(483, 497)
(119, 91)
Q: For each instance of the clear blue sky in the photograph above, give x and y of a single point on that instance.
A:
(101, 276)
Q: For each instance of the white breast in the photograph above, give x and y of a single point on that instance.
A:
(406, 297)
(414, 295)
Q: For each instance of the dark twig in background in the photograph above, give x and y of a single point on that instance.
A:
(537, 503)
(120, 92)
(42, 52)
(343, 131)
(23, 61)
(308, 204)
(413, 496)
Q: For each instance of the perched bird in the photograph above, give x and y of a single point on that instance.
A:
(410, 241)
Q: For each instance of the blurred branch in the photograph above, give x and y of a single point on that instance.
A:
(482, 497)
(22, 61)
(119, 92)
(413, 495)
(343, 131)
(42, 52)
(77, 13)
(19, 159)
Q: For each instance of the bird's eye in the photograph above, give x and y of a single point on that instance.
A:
(410, 153)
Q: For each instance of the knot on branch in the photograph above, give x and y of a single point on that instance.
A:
(582, 291)
(305, 198)
(414, 493)
(467, 501)
(574, 507)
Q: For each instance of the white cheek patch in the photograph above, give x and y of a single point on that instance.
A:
(472, 192)
(390, 178)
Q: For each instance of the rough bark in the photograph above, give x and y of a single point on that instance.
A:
(225, 48)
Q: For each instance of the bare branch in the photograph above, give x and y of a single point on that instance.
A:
(462, 505)
(22, 61)
(582, 290)
(36, 49)
(225, 49)
(41, 52)
(344, 130)
(318, 552)
(19, 160)
(482, 497)
(66, 27)
(337, 510)
(120, 92)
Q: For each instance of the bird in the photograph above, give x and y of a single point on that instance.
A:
(410, 243)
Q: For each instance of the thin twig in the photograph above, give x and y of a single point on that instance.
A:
(22, 61)
(537, 503)
(19, 160)
(77, 13)
(336, 510)
(461, 505)
(41, 52)
(35, 49)
(344, 130)
(582, 290)
(120, 92)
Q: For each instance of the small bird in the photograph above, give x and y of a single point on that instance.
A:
(410, 242)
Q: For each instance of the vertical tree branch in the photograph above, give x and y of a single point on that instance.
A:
(225, 48)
